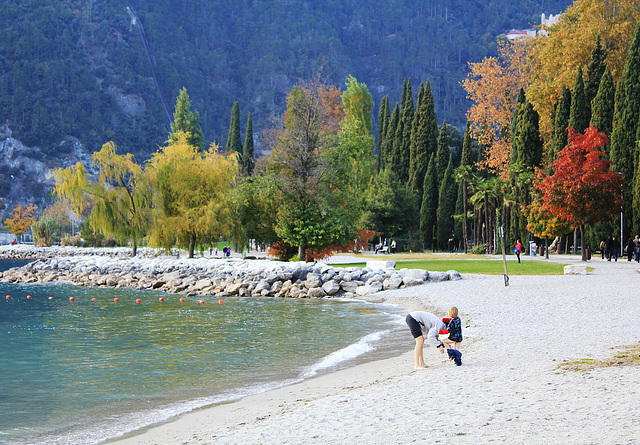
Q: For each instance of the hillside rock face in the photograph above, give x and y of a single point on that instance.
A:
(24, 174)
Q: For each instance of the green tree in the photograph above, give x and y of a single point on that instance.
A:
(560, 130)
(446, 205)
(603, 105)
(389, 206)
(248, 160)
(312, 213)
(186, 121)
(528, 142)
(442, 154)
(384, 117)
(353, 158)
(408, 110)
(429, 207)
(234, 143)
(595, 71)
(579, 115)
(424, 139)
(389, 139)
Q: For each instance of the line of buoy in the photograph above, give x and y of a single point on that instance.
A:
(138, 300)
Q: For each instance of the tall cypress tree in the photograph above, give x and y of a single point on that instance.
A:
(603, 105)
(407, 113)
(383, 124)
(528, 141)
(234, 143)
(429, 203)
(560, 124)
(579, 115)
(432, 121)
(442, 155)
(446, 205)
(389, 138)
(248, 160)
(419, 146)
(595, 71)
(466, 158)
(625, 125)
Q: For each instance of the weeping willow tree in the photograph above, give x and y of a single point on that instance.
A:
(120, 197)
(191, 194)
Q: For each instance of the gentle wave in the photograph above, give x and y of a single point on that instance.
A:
(362, 346)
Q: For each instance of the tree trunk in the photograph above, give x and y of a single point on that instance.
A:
(584, 251)
(301, 253)
(134, 250)
(465, 235)
(192, 245)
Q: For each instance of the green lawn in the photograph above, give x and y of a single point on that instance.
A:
(484, 267)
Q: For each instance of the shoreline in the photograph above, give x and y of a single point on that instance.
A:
(509, 388)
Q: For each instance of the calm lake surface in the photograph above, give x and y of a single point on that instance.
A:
(83, 371)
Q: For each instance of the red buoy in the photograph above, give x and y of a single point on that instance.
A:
(8, 297)
(182, 299)
(220, 302)
(71, 299)
(161, 299)
(28, 297)
(50, 298)
(138, 300)
(116, 299)
(93, 299)
(201, 302)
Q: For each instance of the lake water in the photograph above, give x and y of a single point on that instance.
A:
(82, 371)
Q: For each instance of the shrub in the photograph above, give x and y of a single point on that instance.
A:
(479, 249)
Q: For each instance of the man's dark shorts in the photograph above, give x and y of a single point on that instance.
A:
(413, 324)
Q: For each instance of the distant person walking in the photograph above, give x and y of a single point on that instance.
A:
(518, 249)
(603, 248)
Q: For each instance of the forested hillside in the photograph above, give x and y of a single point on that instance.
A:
(100, 71)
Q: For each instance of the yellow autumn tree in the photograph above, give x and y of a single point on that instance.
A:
(554, 59)
(21, 220)
(493, 85)
(120, 198)
(191, 194)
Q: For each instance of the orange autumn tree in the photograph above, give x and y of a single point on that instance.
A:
(493, 86)
(21, 220)
(582, 190)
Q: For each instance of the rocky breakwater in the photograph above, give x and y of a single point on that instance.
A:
(205, 276)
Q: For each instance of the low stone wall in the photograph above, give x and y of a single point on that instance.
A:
(220, 277)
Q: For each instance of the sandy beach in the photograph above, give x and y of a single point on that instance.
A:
(508, 390)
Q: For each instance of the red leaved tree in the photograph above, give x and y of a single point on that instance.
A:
(582, 190)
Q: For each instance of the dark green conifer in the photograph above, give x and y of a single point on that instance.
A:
(528, 142)
(184, 120)
(234, 143)
(595, 71)
(603, 105)
(406, 114)
(560, 125)
(419, 157)
(466, 159)
(520, 101)
(248, 160)
(389, 138)
(442, 155)
(625, 126)
(579, 115)
(446, 205)
(383, 124)
(429, 203)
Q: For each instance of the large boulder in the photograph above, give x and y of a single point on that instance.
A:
(575, 269)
